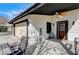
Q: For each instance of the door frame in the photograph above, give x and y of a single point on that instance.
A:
(66, 38)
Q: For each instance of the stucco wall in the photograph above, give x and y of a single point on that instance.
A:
(39, 21)
(36, 22)
(21, 19)
(21, 29)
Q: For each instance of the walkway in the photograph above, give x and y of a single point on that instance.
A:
(10, 39)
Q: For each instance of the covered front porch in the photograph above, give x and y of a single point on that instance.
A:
(55, 22)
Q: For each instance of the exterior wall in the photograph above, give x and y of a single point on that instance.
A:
(39, 21)
(21, 19)
(21, 29)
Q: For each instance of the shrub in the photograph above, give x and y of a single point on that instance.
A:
(3, 29)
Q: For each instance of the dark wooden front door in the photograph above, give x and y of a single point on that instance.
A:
(62, 29)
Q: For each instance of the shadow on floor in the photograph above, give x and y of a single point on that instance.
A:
(64, 46)
(67, 49)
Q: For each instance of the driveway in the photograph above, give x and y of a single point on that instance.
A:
(5, 33)
(8, 38)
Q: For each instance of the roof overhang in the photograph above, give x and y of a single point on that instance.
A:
(47, 9)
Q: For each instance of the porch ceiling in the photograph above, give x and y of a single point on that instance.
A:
(51, 8)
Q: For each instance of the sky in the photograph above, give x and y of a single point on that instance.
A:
(11, 10)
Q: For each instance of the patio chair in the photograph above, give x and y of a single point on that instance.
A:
(20, 49)
(30, 50)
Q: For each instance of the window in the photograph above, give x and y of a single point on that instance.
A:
(48, 27)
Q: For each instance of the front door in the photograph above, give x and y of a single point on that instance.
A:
(62, 29)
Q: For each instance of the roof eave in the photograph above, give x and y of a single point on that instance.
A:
(14, 19)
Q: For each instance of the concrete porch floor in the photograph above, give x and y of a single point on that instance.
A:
(56, 47)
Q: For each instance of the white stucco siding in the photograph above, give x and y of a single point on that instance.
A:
(36, 22)
(21, 29)
(39, 21)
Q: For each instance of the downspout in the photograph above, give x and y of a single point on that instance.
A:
(14, 29)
